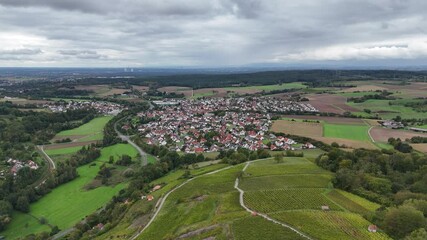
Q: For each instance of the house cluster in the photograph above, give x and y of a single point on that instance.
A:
(101, 107)
(214, 124)
(391, 124)
(17, 165)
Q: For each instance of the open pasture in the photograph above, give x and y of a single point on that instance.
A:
(94, 126)
(352, 132)
(70, 202)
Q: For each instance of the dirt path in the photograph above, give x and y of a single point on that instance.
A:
(242, 203)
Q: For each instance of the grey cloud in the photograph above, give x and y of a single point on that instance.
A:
(82, 54)
(22, 51)
(217, 32)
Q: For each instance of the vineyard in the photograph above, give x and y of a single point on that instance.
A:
(259, 228)
(334, 225)
(350, 205)
(288, 199)
(294, 192)
(285, 181)
(302, 167)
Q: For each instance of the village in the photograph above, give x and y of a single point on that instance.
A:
(102, 107)
(16, 165)
(215, 124)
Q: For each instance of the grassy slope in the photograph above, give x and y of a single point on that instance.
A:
(69, 203)
(352, 132)
(93, 127)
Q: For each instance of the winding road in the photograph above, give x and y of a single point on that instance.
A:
(127, 139)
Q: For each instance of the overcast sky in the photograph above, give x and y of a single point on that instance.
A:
(210, 33)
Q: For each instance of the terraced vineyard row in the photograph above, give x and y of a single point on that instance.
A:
(285, 181)
(330, 225)
(268, 201)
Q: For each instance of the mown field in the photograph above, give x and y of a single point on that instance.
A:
(70, 202)
(95, 126)
(352, 132)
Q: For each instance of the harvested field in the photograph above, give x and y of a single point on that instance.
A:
(68, 145)
(298, 128)
(330, 103)
(333, 120)
(380, 134)
(422, 147)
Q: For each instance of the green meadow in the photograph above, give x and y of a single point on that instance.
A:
(352, 132)
(70, 202)
(95, 126)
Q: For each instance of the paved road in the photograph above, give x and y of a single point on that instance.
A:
(127, 139)
(46, 157)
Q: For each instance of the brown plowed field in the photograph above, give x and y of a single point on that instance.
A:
(330, 103)
(380, 134)
(422, 147)
(298, 128)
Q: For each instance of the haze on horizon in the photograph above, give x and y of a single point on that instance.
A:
(162, 33)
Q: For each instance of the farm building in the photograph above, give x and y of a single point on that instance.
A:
(372, 228)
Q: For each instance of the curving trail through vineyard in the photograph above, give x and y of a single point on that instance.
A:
(242, 203)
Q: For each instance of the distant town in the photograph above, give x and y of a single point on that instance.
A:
(214, 124)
